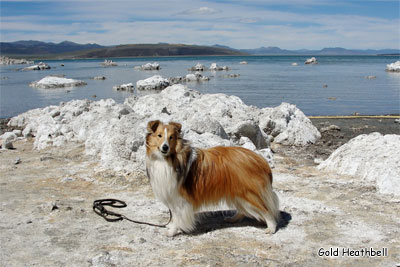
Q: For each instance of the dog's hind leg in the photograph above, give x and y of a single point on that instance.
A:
(271, 222)
(272, 213)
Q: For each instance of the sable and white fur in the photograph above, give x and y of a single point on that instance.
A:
(186, 179)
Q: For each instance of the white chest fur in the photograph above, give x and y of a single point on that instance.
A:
(163, 180)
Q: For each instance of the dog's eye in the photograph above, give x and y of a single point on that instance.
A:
(170, 138)
(160, 135)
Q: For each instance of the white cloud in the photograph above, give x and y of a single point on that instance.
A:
(200, 11)
(110, 23)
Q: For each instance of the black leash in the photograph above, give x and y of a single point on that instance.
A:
(110, 216)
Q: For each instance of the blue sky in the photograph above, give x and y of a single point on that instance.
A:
(296, 24)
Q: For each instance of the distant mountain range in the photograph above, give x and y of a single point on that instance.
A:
(324, 51)
(42, 48)
(37, 49)
(66, 49)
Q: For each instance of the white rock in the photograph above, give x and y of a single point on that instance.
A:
(393, 67)
(197, 77)
(109, 63)
(155, 82)
(56, 82)
(190, 77)
(247, 143)
(124, 87)
(60, 141)
(251, 130)
(18, 133)
(374, 158)
(203, 124)
(215, 67)
(206, 140)
(268, 155)
(115, 133)
(288, 125)
(150, 66)
(294, 64)
(198, 67)
(12, 61)
(27, 132)
(7, 140)
(312, 60)
(176, 80)
(39, 66)
(103, 259)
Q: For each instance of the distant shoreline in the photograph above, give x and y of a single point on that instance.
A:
(42, 58)
(389, 116)
(67, 50)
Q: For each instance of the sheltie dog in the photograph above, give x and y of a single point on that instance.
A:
(186, 179)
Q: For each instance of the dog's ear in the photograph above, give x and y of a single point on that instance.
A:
(152, 126)
(177, 126)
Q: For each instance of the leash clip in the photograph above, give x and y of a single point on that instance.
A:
(99, 209)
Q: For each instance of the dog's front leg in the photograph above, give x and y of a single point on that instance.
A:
(183, 219)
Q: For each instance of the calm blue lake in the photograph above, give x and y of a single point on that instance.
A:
(265, 81)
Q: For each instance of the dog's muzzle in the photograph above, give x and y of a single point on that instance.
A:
(164, 149)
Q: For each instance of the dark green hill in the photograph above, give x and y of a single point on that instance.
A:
(155, 50)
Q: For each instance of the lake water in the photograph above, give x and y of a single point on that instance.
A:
(265, 81)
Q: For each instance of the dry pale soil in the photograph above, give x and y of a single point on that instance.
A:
(46, 218)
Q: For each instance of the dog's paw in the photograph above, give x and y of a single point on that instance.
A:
(271, 230)
(172, 231)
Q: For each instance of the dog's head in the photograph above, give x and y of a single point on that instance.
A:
(161, 138)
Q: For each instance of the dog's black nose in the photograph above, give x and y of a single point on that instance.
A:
(164, 148)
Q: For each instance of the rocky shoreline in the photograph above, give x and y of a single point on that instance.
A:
(13, 61)
(71, 154)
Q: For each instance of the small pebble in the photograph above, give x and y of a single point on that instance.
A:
(17, 161)
(67, 179)
(44, 158)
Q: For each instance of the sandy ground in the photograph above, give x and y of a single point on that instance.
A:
(46, 216)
